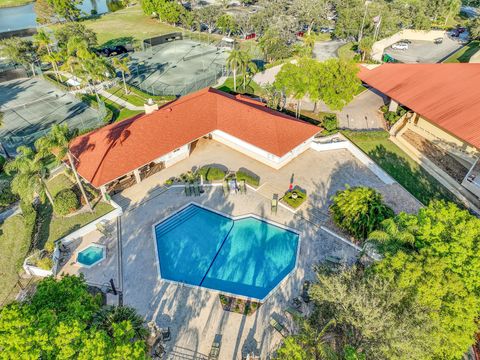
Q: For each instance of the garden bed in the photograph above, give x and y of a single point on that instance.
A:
(294, 198)
(438, 156)
(239, 306)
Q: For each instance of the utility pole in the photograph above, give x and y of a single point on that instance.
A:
(360, 33)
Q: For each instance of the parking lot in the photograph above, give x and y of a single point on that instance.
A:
(427, 51)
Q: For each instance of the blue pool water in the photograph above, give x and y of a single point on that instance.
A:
(247, 257)
(90, 255)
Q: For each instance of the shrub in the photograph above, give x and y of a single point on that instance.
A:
(2, 162)
(45, 263)
(330, 123)
(211, 173)
(65, 202)
(359, 211)
(250, 179)
(6, 195)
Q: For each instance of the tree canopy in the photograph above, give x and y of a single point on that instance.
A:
(60, 321)
(434, 256)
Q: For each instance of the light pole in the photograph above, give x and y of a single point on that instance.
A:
(360, 33)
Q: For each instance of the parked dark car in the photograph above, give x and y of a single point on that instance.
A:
(111, 51)
(461, 30)
(455, 33)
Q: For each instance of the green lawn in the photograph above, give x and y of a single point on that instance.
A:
(346, 51)
(399, 165)
(55, 227)
(14, 246)
(137, 97)
(130, 24)
(465, 53)
(251, 88)
(12, 3)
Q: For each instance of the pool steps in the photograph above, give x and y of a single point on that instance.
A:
(176, 220)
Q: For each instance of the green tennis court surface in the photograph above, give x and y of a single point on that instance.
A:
(31, 106)
(177, 67)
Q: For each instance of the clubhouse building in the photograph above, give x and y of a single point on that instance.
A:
(119, 155)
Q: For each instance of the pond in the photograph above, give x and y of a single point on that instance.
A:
(23, 17)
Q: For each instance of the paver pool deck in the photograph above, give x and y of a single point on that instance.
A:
(195, 315)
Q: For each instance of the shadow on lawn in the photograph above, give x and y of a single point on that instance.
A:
(417, 181)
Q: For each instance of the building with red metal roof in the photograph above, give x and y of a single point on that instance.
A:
(443, 118)
(164, 136)
(447, 95)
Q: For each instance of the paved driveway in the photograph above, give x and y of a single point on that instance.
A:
(326, 49)
(362, 112)
(427, 51)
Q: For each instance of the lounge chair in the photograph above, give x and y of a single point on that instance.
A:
(294, 312)
(165, 334)
(274, 204)
(243, 187)
(297, 303)
(305, 294)
(225, 187)
(214, 351)
(188, 191)
(335, 260)
(279, 327)
(196, 190)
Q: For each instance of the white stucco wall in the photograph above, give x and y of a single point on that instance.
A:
(257, 153)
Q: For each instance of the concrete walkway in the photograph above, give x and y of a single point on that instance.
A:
(119, 100)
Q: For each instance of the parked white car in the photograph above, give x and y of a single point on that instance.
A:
(400, 46)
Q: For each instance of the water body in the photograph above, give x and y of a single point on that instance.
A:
(23, 17)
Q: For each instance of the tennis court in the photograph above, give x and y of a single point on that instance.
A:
(31, 106)
(177, 67)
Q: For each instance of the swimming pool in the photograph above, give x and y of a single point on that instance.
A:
(91, 255)
(245, 256)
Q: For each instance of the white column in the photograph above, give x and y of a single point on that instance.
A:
(103, 190)
(136, 173)
(393, 105)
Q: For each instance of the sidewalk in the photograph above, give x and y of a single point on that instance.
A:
(119, 100)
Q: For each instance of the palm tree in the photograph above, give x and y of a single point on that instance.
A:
(122, 66)
(315, 340)
(393, 236)
(56, 141)
(116, 314)
(30, 175)
(234, 62)
(43, 41)
(247, 67)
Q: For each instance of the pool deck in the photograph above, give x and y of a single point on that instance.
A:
(195, 315)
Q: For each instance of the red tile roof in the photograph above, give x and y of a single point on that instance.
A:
(448, 95)
(115, 150)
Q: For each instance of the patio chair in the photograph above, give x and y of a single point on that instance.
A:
(335, 260)
(294, 312)
(243, 187)
(305, 294)
(196, 189)
(297, 303)
(274, 207)
(225, 188)
(279, 327)
(215, 350)
(188, 191)
(165, 334)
